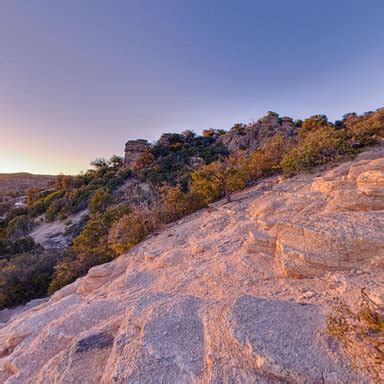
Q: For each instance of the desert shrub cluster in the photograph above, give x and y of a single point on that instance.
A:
(26, 276)
(182, 174)
(361, 332)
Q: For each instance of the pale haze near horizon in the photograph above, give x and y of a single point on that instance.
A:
(80, 78)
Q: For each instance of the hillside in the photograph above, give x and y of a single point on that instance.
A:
(253, 290)
(20, 182)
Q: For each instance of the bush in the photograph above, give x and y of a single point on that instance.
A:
(55, 209)
(206, 184)
(42, 204)
(14, 212)
(100, 200)
(311, 124)
(78, 199)
(361, 332)
(19, 227)
(88, 249)
(93, 239)
(176, 203)
(266, 160)
(22, 245)
(219, 178)
(369, 129)
(132, 228)
(72, 266)
(25, 277)
(316, 148)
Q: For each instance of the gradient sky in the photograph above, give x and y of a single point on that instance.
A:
(79, 78)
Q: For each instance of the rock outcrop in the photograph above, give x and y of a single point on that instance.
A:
(134, 150)
(252, 136)
(239, 292)
(59, 233)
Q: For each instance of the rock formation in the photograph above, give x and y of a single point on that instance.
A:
(59, 233)
(238, 292)
(254, 135)
(134, 149)
(165, 139)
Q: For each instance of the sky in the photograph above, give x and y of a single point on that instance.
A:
(78, 78)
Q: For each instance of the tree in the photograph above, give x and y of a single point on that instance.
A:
(188, 134)
(99, 163)
(31, 195)
(312, 123)
(63, 182)
(210, 132)
(116, 161)
(221, 177)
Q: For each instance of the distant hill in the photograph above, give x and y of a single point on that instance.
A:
(19, 182)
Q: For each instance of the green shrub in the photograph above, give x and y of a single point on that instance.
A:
(55, 209)
(219, 178)
(100, 200)
(176, 203)
(78, 199)
(18, 227)
(93, 239)
(311, 124)
(317, 147)
(88, 249)
(25, 277)
(22, 245)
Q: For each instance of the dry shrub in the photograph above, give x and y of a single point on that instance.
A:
(369, 129)
(266, 160)
(362, 334)
(133, 228)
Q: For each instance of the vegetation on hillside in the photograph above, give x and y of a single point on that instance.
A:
(174, 178)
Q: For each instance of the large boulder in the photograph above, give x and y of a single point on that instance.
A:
(134, 150)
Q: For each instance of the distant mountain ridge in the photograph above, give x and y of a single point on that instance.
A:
(22, 174)
(21, 181)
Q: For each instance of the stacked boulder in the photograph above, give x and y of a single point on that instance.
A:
(254, 135)
(134, 150)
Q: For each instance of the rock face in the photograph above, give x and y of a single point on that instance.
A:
(134, 149)
(237, 293)
(254, 135)
(58, 234)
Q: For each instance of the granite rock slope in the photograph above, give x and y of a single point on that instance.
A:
(237, 292)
